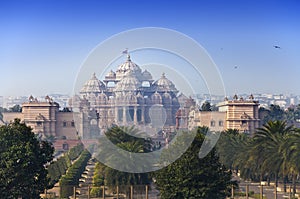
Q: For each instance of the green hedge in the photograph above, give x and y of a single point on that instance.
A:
(59, 167)
(74, 152)
(71, 179)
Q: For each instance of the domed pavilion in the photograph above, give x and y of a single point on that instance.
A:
(125, 97)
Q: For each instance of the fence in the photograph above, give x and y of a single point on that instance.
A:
(102, 192)
(263, 191)
(244, 191)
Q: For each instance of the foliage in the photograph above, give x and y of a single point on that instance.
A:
(1, 113)
(128, 139)
(3, 109)
(274, 113)
(228, 146)
(74, 152)
(65, 109)
(15, 108)
(192, 177)
(96, 192)
(206, 106)
(98, 180)
(59, 167)
(293, 114)
(71, 179)
(272, 153)
(119, 135)
(22, 160)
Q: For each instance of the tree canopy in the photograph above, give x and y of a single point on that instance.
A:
(275, 112)
(206, 106)
(128, 139)
(192, 177)
(22, 161)
(272, 153)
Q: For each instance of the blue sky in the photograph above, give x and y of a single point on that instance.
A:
(43, 43)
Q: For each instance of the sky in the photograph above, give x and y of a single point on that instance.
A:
(44, 43)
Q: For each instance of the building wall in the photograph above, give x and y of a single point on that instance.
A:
(235, 114)
(214, 120)
(65, 125)
(41, 116)
(45, 119)
(241, 114)
(10, 116)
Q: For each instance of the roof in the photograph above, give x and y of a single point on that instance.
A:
(164, 85)
(93, 85)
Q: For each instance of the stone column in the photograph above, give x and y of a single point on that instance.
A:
(135, 120)
(116, 114)
(124, 115)
(143, 114)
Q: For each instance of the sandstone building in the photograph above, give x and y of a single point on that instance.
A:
(238, 113)
(128, 96)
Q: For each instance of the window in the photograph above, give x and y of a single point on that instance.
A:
(39, 123)
(65, 146)
(64, 124)
(72, 123)
(212, 123)
(221, 123)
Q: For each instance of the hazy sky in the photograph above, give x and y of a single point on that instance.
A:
(43, 43)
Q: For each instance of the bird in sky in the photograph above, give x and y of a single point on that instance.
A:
(235, 67)
(278, 47)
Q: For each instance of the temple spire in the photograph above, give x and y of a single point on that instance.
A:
(128, 57)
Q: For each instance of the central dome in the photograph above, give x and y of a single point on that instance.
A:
(128, 66)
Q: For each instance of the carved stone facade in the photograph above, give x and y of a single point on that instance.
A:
(128, 96)
(238, 113)
(45, 119)
(241, 114)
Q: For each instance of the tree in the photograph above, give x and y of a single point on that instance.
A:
(130, 140)
(272, 152)
(1, 113)
(293, 114)
(15, 108)
(98, 180)
(274, 113)
(229, 145)
(206, 106)
(192, 177)
(22, 162)
(292, 150)
(271, 140)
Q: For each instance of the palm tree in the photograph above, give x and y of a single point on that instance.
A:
(129, 143)
(269, 142)
(292, 154)
(231, 142)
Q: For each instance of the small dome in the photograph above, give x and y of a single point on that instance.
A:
(164, 85)
(147, 75)
(94, 85)
(128, 83)
(110, 75)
